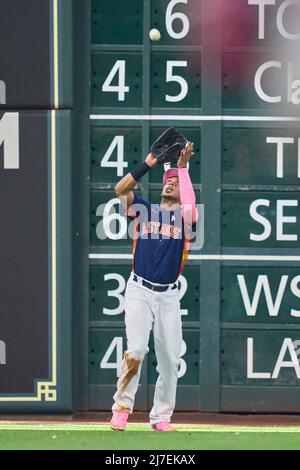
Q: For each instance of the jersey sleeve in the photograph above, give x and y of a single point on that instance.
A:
(139, 204)
(187, 196)
(190, 231)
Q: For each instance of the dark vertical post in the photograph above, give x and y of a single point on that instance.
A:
(211, 198)
(80, 194)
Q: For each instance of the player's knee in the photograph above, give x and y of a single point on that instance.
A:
(137, 353)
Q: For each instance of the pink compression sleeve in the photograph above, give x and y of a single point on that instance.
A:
(187, 196)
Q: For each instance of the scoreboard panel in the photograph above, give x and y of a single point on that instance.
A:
(259, 355)
(260, 219)
(35, 256)
(107, 287)
(175, 80)
(260, 294)
(20, 309)
(269, 357)
(275, 151)
(245, 75)
(116, 82)
(260, 24)
(127, 26)
(35, 174)
(114, 143)
(226, 74)
(30, 58)
(175, 23)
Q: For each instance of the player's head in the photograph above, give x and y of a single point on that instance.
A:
(171, 185)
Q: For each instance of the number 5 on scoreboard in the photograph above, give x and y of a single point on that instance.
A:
(176, 78)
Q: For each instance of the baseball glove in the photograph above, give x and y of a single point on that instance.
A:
(168, 146)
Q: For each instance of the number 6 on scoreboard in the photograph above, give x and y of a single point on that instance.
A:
(171, 17)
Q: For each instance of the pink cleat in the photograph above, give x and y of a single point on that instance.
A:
(163, 426)
(118, 421)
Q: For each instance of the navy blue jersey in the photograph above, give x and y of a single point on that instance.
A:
(160, 248)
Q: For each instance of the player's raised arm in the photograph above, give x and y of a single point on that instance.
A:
(124, 188)
(187, 194)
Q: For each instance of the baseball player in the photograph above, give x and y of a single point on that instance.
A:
(160, 250)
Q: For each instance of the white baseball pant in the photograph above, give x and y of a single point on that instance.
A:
(146, 310)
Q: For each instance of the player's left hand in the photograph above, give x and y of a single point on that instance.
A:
(151, 160)
(185, 155)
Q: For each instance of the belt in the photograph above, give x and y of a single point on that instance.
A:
(153, 287)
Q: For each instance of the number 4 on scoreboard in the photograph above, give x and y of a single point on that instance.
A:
(119, 68)
(116, 344)
(120, 164)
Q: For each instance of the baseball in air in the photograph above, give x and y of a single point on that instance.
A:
(155, 35)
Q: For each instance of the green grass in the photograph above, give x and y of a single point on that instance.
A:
(136, 437)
